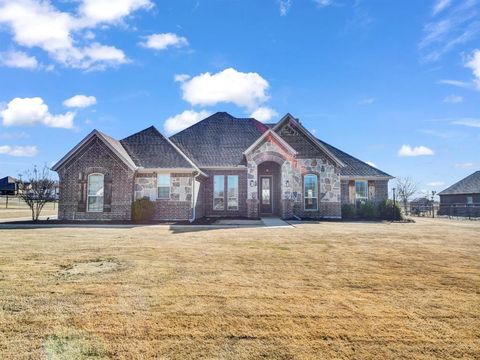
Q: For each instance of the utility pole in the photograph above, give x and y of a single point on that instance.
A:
(433, 203)
(394, 205)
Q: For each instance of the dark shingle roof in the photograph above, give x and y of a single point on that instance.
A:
(219, 140)
(150, 149)
(354, 166)
(468, 185)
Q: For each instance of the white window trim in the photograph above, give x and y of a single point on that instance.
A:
(164, 186)
(361, 198)
(233, 197)
(304, 197)
(218, 197)
(89, 196)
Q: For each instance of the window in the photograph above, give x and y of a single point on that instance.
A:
(218, 192)
(163, 186)
(470, 200)
(266, 191)
(361, 190)
(95, 193)
(232, 186)
(310, 188)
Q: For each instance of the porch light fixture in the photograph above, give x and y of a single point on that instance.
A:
(287, 183)
(253, 183)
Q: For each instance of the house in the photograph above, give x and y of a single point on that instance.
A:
(9, 186)
(420, 205)
(221, 166)
(462, 198)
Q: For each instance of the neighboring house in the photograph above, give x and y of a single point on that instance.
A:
(420, 205)
(462, 198)
(9, 186)
(221, 166)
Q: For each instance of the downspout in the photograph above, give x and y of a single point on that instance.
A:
(193, 196)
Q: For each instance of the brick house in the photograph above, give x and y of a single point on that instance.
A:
(221, 166)
(462, 198)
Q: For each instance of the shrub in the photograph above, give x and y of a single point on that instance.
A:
(349, 211)
(143, 209)
(386, 210)
(367, 211)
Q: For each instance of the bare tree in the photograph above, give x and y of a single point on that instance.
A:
(405, 189)
(37, 189)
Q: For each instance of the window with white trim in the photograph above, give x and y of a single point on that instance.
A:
(232, 192)
(310, 190)
(95, 193)
(361, 190)
(470, 200)
(219, 192)
(163, 186)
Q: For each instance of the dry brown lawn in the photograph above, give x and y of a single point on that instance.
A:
(17, 209)
(319, 291)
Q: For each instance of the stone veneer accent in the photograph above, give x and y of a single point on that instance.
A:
(292, 172)
(179, 206)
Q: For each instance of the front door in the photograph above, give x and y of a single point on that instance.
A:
(266, 200)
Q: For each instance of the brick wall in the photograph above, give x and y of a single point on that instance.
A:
(380, 190)
(95, 157)
(242, 193)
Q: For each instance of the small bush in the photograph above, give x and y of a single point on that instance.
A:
(386, 210)
(367, 211)
(349, 211)
(143, 209)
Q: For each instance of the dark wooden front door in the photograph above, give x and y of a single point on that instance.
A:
(266, 198)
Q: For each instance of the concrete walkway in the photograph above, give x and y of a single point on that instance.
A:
(275, 222)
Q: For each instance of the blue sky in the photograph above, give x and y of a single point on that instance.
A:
(393, 83)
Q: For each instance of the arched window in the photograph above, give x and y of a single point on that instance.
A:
(310, 191)
(95, 193)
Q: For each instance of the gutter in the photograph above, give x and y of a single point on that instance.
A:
(193, 197)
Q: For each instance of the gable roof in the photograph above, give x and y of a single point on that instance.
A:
(353, 166)
(277, 137)
(150, 149)
(468, 185)
(111, 143)
(219, 140)
(313, 139)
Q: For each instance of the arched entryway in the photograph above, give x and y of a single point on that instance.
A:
(269, 188)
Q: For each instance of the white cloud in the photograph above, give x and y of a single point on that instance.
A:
(33, 111)
(19, 151)
(453, 99)
(440, 5)
(457, 83)
(436, 183)
(466, 165)
(263, 114)
(408, 151)
(458, 25)
(474, 64)
(164, 41)
(366, 101)
(467, 122)
(285, 6)
(181, 77)
(370, 163)
(18, 59)
(247, 90)
(66, 36)
(14, 135)
(80, 101)
(98, 11)
(181, 121)
(323, 3)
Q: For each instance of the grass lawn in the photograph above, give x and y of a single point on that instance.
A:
(318, 291)
(18, 209)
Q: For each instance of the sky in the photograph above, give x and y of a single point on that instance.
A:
(394, 83)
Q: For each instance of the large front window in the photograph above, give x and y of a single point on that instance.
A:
(361, 190)
(218, 192)
(310, 186)
(163, 186)
(232, 186)
(95, 193)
